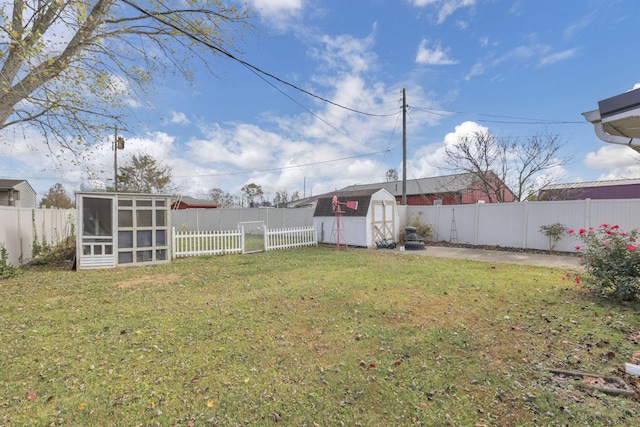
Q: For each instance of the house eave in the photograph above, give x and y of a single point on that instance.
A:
(615, 129)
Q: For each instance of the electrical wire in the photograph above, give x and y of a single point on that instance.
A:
(247, 64)
(288, 167)
(515, 120)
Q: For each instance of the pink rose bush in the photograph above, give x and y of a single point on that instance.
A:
(611, 260)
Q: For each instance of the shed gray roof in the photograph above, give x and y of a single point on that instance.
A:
(431, 185)
(363, 197)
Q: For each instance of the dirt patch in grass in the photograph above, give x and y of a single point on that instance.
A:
(156, 280)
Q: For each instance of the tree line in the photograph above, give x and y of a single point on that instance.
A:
(144, 174)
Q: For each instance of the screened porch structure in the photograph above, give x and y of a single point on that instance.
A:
(122, 229)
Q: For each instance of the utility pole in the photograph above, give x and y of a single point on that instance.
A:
(118, 144)
(115, 159)
(404, 147)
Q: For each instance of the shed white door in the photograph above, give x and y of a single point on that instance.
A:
(96, 248)
(383, 219)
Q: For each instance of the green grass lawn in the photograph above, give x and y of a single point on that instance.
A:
(310, 337)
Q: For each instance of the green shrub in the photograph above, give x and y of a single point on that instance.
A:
(611, 258)
(6, 268)
(554, 232)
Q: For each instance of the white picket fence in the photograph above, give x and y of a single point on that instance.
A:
(284, 238)
(194, 243)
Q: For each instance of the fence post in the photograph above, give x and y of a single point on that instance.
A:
(173, 243)
(525, 225)
(265, 236)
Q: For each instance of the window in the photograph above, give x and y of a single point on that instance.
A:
(143, 230)
(144, 218)
(96, 217)
(125, 218)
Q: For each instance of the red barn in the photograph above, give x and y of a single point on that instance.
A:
(457, 189)
(186, 202)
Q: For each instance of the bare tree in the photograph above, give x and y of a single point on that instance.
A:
(498, 162)
(281, 198)
(67, 65)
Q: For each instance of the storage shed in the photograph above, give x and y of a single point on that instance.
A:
(375, 217)
(119, 229)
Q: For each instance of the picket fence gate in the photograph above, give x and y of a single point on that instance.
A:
(214, 242)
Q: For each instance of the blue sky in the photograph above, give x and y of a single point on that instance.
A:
(512, 67)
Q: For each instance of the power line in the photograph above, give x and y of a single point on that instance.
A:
(288, 167)
(246, 64)
(514, 120)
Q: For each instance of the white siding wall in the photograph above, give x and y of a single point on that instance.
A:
(27, 195)
(354, 230)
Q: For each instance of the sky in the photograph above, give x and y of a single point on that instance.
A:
(513, 68)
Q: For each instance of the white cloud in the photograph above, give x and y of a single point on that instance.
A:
(579, 25)
(523, 53)
(178, 118)
(430, 160)
(279, 13)
(347, 53)
(618, 158)
(559, 56)
(433, 56)
(450, 6)
(476, 70)
(446, 7)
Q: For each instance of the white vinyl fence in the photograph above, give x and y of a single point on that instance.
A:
(283, 238)
(517, 225)
(20, 227)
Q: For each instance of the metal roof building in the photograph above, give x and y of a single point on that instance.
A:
(614, 189)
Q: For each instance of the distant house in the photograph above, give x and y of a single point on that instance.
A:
(457, 189)
(614, 189)
(17, 192)
(186, 202)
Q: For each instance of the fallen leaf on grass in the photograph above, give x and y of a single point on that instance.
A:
(594, 380)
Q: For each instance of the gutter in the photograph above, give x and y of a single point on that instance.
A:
(595, 119)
